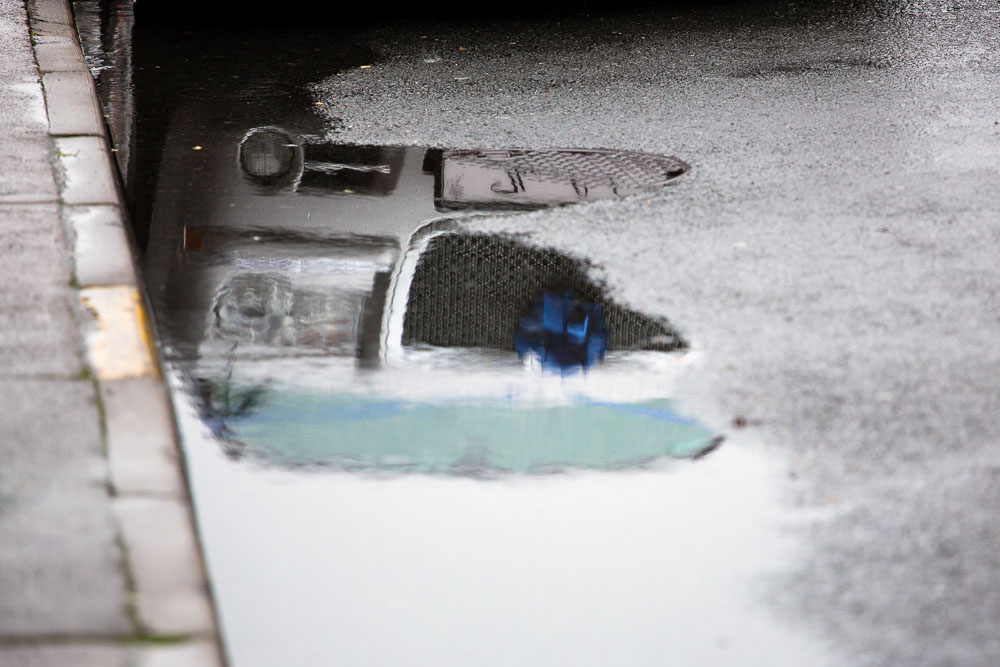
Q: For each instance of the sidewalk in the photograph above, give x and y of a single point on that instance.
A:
(99, 563)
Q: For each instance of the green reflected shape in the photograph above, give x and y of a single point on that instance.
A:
(350, 432)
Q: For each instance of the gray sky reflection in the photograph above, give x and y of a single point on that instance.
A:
(644, 567)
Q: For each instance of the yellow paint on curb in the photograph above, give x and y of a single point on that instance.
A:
(121, 344)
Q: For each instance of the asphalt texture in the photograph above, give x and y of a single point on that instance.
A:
(832, 254)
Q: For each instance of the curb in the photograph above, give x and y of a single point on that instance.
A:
(168, 586)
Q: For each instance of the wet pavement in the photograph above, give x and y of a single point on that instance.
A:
(98, 556)
(460, 310)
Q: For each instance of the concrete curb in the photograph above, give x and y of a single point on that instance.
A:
(168, 586)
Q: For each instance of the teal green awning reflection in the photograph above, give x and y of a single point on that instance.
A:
(294, 428)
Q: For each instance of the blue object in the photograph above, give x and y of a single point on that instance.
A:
(564, 331)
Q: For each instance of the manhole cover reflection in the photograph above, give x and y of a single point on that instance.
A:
(463, 179)
(534, 178)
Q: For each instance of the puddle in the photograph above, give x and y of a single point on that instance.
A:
(590, 568)
(538, 178)
(397, 427)
(464, 354)
(476, 290)
(278, 161)
(330, 308)
(295, 427)
(408, 442)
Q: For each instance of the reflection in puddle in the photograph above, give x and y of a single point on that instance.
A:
(511, 424)
(563, 331)
(475, 289)
(277, 292)
(324, 311)
(483, 180)
(639, 567)
(488, 356)
(337, 312)
(294, 427)
(534, 178)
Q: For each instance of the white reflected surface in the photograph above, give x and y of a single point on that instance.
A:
(651, 567)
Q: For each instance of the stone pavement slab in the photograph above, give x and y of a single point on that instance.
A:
(100, 246)
(85, 171)
(99, 655)
(37, 335)
(32, 239)
(56, 50)
(189, 654)
(37, 330)
(78, 111)
(144, 460)
(26, 173)
(165, 565)
(60, 565)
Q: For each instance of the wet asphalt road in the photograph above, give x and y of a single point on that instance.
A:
(832, 252)
(830, 256)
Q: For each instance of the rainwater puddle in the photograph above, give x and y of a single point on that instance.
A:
(662, 565)
(530, 178)
(330, 308)
(409, 442)
(478, 180)
(377, 333)
(412, 443)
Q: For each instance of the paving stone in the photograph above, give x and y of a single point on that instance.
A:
(100, 246)
(143, 456)
(86, 171)
(37, 327)
(38, 335)
(99, 655)
(26, 173)
(33, 246)
(118, 337)
(170, 590)
(50, 12)
(72, 103)
(190, 654)
(69, 445)
(43, 30)
(57, 51)
(60, 565)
